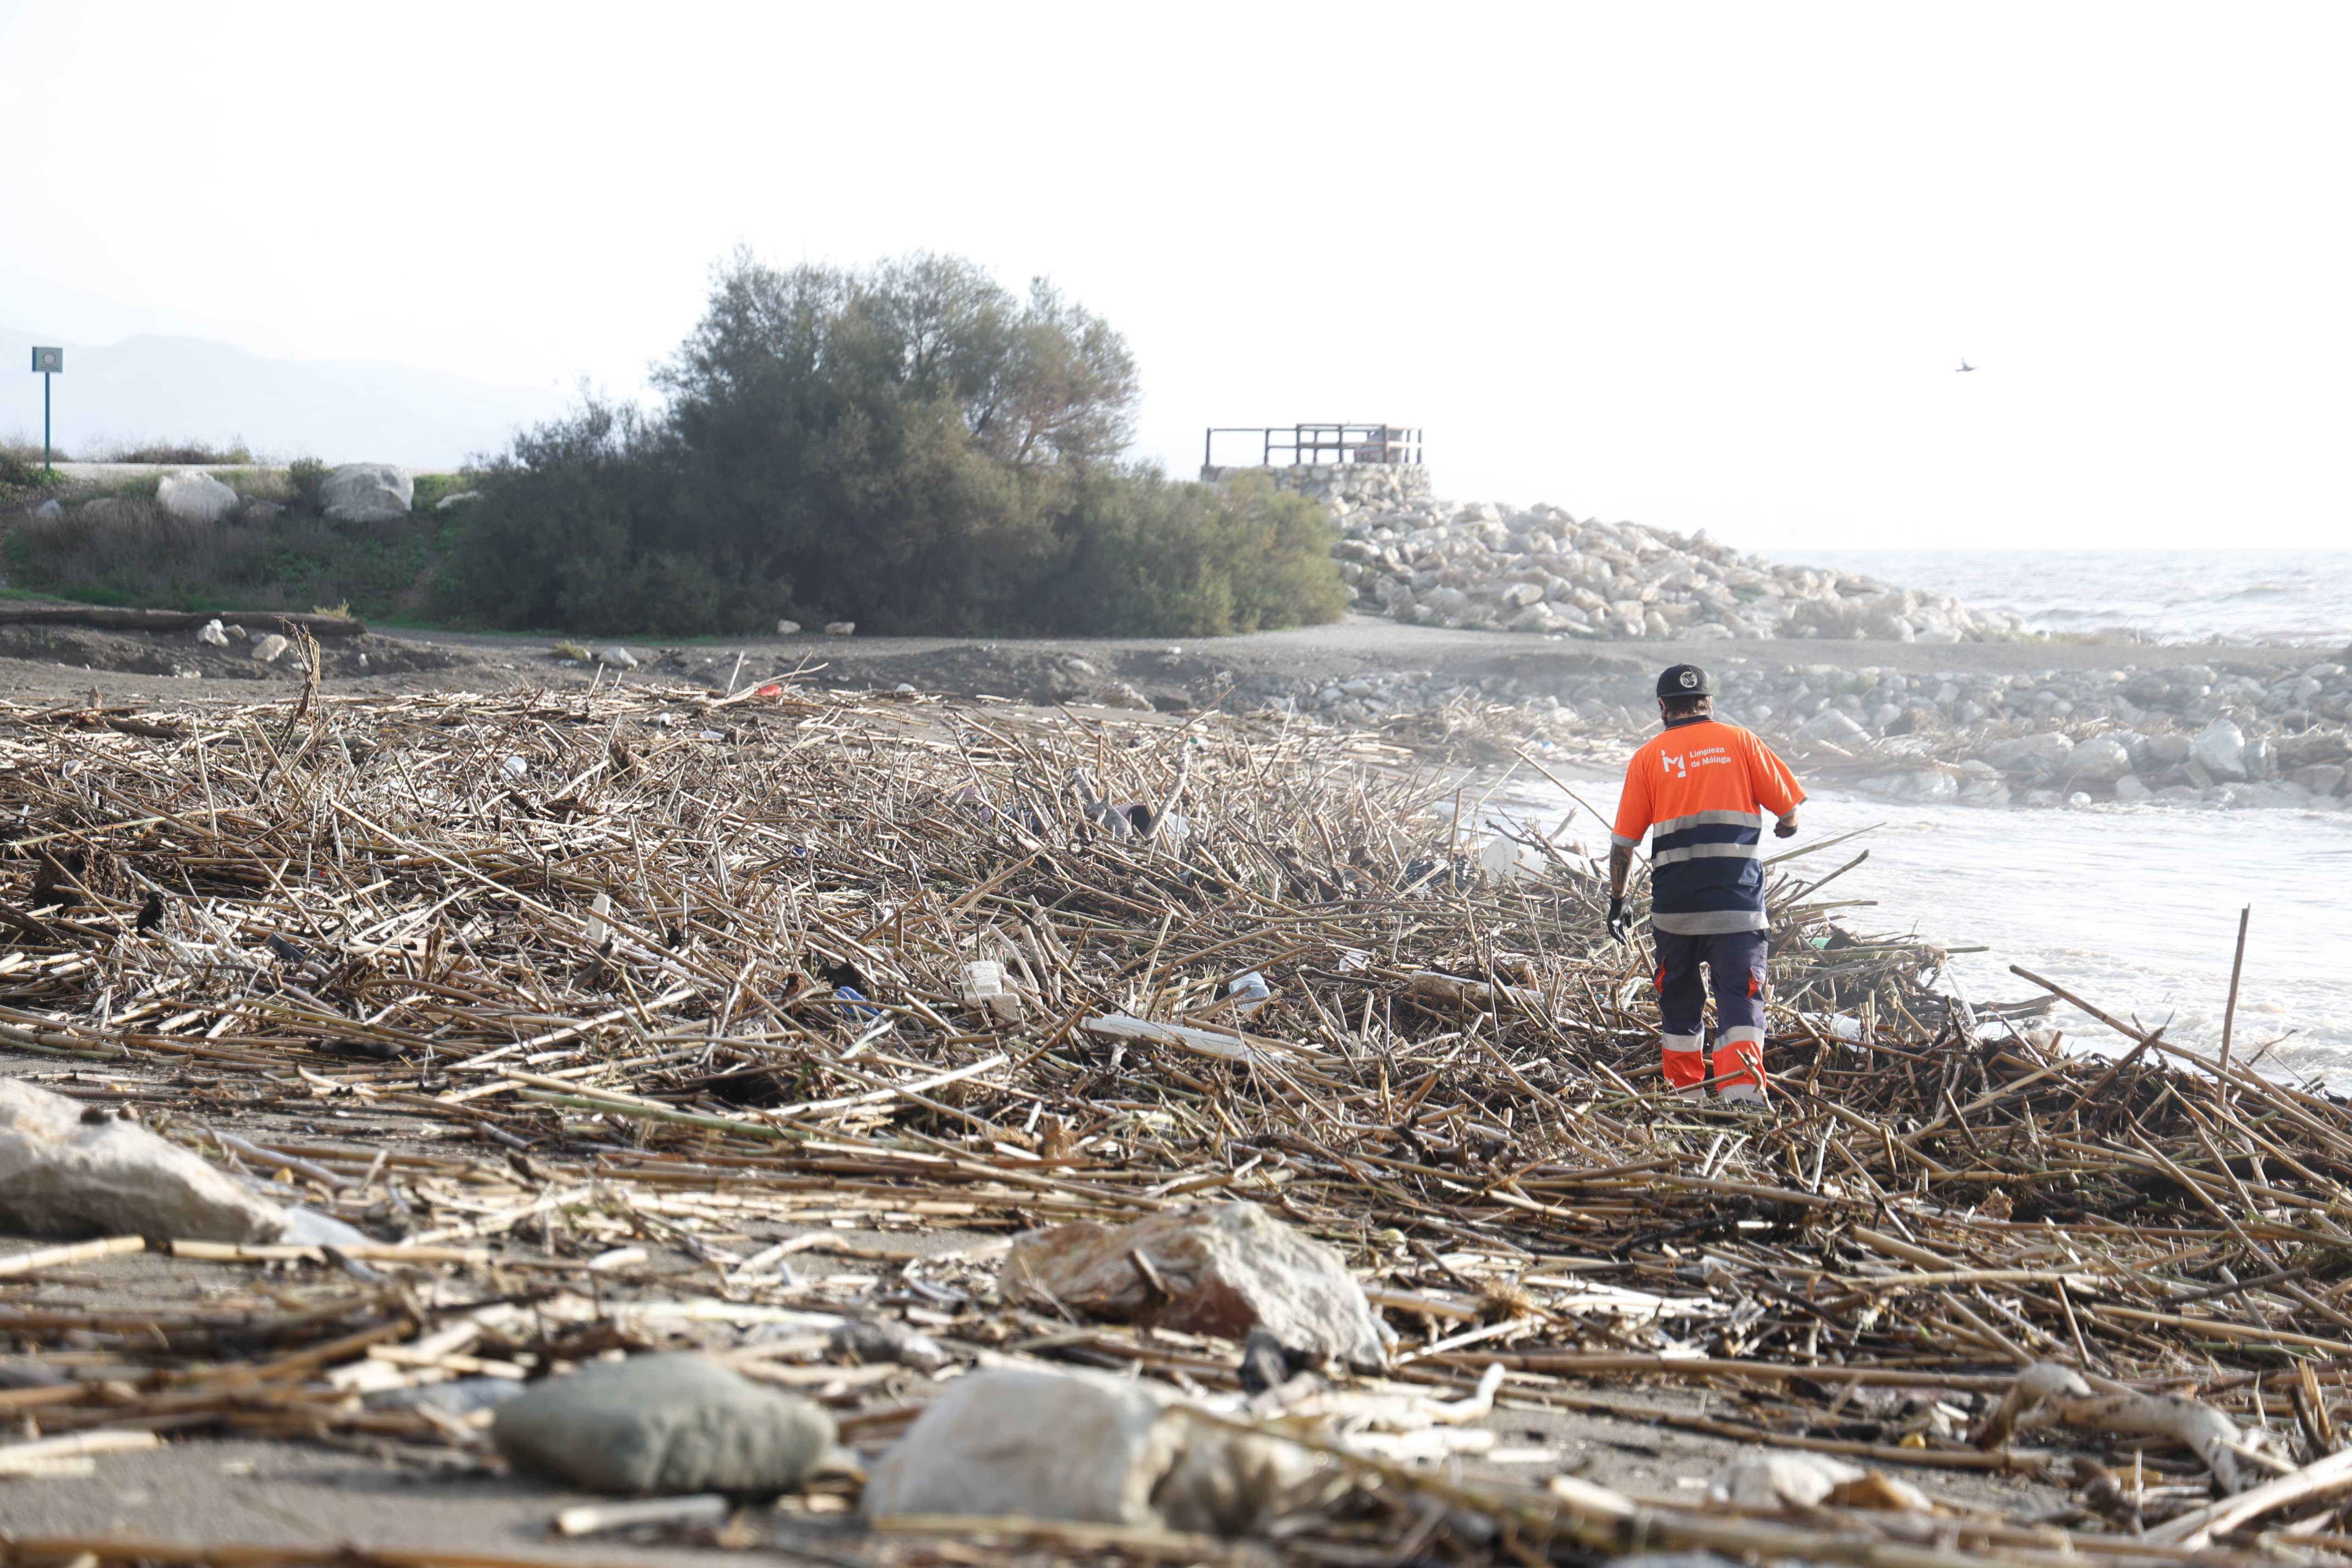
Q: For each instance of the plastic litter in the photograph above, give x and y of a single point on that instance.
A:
(1252, 990)
(985, 986)
(1508, 860)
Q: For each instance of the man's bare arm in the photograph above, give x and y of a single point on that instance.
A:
(1620, 866)
(1787, 827)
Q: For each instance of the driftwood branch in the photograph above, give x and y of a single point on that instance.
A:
(2046, 1393)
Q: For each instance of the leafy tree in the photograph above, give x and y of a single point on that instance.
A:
(910, 447)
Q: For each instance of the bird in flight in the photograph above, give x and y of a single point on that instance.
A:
(1965, 368)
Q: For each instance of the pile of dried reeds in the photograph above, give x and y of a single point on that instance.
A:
(552, 984)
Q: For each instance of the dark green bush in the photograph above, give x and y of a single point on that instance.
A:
(1154, 559)
(304, 476)
(22, 478)
(910, 447)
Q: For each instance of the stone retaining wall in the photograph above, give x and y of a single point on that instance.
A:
(1344, 487)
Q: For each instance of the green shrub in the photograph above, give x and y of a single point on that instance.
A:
(23, 480)
(911, 448)
(1156, 558)
(304, 476)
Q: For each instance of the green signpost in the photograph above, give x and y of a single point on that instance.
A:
(47, 363)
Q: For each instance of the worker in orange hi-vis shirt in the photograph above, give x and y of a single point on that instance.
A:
(1703, 790)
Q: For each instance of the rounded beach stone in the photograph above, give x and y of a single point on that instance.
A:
(664, 1424)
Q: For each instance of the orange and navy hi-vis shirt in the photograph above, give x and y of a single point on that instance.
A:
(1705, 788)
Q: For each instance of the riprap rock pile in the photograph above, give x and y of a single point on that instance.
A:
(2216, 734)
(2190, 733)
(1481, 565)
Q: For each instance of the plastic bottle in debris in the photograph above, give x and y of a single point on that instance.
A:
(1253, 992)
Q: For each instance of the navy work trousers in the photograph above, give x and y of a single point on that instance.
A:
(1735, 962)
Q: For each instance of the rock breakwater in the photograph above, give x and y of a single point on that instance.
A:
(1485, 565)
(2215, 733)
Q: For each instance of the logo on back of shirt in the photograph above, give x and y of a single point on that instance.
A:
(1673, 764)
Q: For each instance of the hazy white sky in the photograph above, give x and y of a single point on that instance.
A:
(1691, 264)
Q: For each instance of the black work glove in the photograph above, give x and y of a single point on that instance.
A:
(1620, 924)
(1784, 829)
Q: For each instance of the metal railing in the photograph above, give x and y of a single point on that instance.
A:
(1305, 443)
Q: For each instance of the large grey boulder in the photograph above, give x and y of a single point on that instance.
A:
(193, 497)
(2320, 778)
(1832, 726)
(664, 1424)
(1446, 601)
(1929, 785)
(2043, 753)
(2103, 758)
(1210, 1268)
(63, 1176)
(2221, 749)
(1081, 1445)
(1831, 617)
(366, 492)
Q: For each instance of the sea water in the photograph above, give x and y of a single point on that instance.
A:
(2133, 908)
(2163, 595)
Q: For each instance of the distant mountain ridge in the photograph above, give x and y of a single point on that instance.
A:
(158, 388)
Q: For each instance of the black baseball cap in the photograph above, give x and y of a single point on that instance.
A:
(1685, 681)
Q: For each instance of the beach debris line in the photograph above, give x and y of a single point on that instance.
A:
(662, 1046)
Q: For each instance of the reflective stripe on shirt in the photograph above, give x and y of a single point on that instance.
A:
(1707, 852)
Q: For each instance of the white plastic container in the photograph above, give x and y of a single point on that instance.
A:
(1508, 860)
(1253, 992)
(985, 984)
